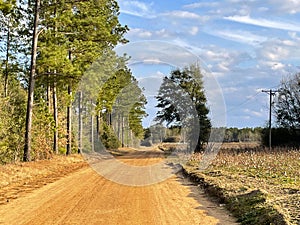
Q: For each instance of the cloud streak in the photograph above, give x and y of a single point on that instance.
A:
(137, 8)
(201, 4)
(288, 26)
(240, 36)
(289, 6)
(182, 15)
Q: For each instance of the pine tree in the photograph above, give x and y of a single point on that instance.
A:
(182, 102)
(10, 16)
(72, 35)
(60, 44)
(121, 106)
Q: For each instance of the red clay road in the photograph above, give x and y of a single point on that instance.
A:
(85, 197)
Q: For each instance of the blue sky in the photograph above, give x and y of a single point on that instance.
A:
(247, 46)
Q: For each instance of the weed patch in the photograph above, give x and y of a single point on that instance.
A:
(258, 187)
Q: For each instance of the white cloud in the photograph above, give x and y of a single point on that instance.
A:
(141, 33)
(147, 34)
(136, 8)
(277, 50)
(194, 30)
(228, 63)
(182, 15)
(218, 74)
(294, 36)
(152, 61)
(201, 5)
(221, 61)
(230, 89)
(216, 54)
(151, 83)
(162, 52)
(289, 6)
(224, 66)
(290, 26)
(234, 1)
(278, 66)
(255, 113)
(274, 65)
(163, 33)
(239, 36)
(263, 9)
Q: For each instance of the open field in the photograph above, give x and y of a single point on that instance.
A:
(259, 186)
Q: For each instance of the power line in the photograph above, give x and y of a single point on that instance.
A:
(247, 100)
(235, 107)
(242, 103)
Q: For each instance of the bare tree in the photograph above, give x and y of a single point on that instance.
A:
(287, 105)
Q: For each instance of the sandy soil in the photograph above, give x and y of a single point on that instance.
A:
(85, 197)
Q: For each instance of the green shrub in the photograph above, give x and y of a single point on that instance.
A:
(109, 138)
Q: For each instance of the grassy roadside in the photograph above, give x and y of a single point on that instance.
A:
(257, 186)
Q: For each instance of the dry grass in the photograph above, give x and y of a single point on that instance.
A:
(20, 178)
(275, 175)
(240, 145)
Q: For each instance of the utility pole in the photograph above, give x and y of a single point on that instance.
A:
(271, 94)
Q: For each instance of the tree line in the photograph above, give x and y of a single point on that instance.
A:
(46, 49)
(174, 109)
(158, 133)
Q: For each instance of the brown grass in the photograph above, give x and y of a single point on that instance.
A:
(20, 178)
(238, 172)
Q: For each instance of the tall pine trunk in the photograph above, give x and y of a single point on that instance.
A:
(27, 146)
(79, 122)
(122, 130)
(92, 133)
(55, 116)
(48, 90)
(69, 122)
(6, 60)
(69, 115)
(98, 124)
(54, 98)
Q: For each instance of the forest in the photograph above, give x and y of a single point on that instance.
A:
(57, 61)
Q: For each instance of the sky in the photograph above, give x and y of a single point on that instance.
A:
(244, 46)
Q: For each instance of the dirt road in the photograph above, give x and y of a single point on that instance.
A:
(85, 197)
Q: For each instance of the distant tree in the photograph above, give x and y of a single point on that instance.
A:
(179, 96)
(233, 134)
